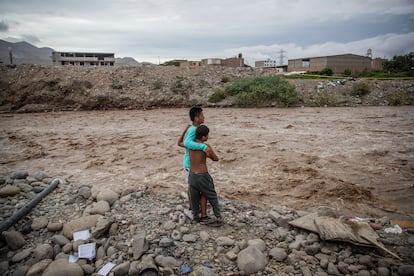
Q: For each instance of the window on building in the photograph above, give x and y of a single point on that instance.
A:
(305, 63)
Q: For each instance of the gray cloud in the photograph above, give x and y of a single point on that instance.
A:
(148, 29)
(4, 27)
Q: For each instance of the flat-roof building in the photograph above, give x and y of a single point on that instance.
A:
(268, 63)
(83, 59)
(338, 63)
(228, 62)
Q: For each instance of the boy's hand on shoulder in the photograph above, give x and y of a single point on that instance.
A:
(180, 142)
(211, 154)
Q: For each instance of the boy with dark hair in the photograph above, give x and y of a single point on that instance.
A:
(186, 140)
(201, 183)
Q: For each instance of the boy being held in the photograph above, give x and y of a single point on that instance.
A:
(186, 141)
(201, 183)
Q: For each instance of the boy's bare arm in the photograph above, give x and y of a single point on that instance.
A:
(211, 154)
(181, 139)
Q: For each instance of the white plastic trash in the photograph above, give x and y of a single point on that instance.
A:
(396, 229)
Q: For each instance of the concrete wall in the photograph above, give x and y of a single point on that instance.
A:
(233, 62)
(337, 63)
(259, 64)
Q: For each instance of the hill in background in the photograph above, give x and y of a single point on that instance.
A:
(26, 53)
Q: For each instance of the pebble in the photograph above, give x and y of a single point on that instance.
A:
(333, 270)
(63, 267)
(406, 270)
(38, 268)
(20, 256)
(9, 190)
(14, 239)
(383, 271)
(60, 240)
(43, 251)
(142, 225)
(251, 260)
(39, 223)
(54, 226)
(278, 254)
(20, 174)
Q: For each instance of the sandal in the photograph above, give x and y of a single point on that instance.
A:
(206, 220)
(217, 222)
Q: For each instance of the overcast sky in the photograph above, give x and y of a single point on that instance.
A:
(161, 30)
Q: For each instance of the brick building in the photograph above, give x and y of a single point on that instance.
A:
(233, 62)
(228, 62)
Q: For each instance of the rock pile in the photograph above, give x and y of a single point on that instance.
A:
(141, 233)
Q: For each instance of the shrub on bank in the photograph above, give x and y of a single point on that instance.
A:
(180, 85)
(360, 89)
(116, 84)
(323, 98)
(218, 95)
(158, 84)
(259, 91)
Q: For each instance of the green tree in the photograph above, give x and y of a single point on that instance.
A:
(401, 64)
(171, 63)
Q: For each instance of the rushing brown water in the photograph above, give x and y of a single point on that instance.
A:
(357, 160)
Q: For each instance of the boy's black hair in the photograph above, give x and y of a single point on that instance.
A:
(202, 131)
(195, 111)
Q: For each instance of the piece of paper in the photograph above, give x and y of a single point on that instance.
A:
(87, 251)
(106, 269)
(81, 235)
(73, 259)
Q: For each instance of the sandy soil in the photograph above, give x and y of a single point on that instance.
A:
(358, 160)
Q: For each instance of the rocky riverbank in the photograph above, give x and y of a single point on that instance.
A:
(35, 88)
(136, 230)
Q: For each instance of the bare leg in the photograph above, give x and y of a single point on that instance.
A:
(189, 200)
(203, 206)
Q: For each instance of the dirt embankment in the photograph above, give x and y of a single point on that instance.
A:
(34, 88)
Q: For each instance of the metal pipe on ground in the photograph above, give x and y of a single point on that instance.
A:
(25, 209)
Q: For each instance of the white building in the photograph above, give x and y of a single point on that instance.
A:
(83, 59)
(266, 63)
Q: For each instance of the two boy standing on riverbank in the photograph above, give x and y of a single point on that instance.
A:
(201, 185)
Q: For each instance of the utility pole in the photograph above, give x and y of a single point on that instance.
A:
(281, 56)
(10, 55)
